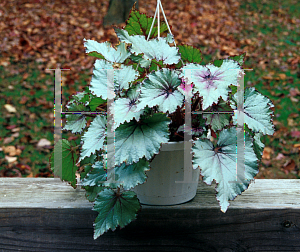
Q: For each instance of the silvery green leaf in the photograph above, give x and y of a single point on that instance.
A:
(122, 78)
(96, 176)
(91, 192)
(139, 59)
(219, 163)
(75, 122)
(107, 51)
(145, 63)
(99, 79)
(257, 112)
(213, 82)
(157, 49)
(131, 175)
(94, 138)
(115, 209)
(258, 145)
(135, 140)
(160, 88)
(217, 119)
(170, 38)
(79, 97)
(128, 176)
(125, 110)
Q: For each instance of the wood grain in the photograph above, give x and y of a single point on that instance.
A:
(44, 214)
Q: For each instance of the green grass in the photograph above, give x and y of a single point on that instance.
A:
(41, 124)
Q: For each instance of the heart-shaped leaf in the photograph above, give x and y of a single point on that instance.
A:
(128, 175)
(158, 49)
(76, 122)
(115, 209)
(122, 78)
(160, 88)
(213, 82)
(107, 51)
(219, 163)
(125, 109)
(135, 140)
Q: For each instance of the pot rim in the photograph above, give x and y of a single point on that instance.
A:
(172, 146)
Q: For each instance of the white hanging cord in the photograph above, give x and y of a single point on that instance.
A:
(166, 20)
(157, 11)
(158, 21)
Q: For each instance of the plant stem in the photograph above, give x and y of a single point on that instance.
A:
(90, 115)
(196, 103)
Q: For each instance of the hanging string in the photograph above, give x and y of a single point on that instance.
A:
(158, 23)
(158, 19)
(166, 20)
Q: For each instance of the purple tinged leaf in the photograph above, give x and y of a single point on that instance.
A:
(213, 82)
(160, 89)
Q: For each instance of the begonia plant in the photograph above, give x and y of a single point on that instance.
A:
(150, 80)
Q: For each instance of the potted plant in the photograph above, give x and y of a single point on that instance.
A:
(153, 82)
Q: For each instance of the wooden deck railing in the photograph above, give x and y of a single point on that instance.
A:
(44, 214)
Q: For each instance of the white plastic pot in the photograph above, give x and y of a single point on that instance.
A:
(166, 168)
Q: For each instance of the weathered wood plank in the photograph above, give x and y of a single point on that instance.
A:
(42, 214)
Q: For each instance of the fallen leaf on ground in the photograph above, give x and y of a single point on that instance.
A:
(297, 146)
(291, 122)
(294, 115)
(9, 149)
(280, 156)
(289, 166)
(294, 99)
(267, 153)
(10, 108)
(23, 167)
(10, 159)
(17, 134)
(295, 134)
(43, 142)
(294, 92)
(8, 140)
(282, 76)
(12, 150)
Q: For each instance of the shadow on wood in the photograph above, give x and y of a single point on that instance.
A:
(43, 214)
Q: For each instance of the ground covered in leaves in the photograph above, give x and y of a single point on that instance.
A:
(38, 35)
